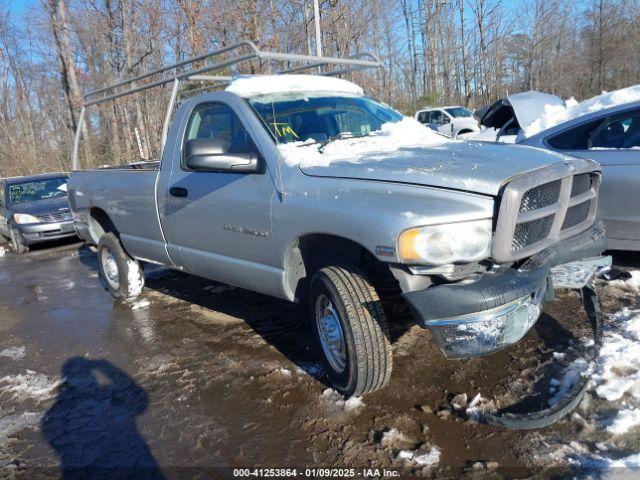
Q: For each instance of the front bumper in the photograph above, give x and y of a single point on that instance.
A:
(42, 232)
(498, 308)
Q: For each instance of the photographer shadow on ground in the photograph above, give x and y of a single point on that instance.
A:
(92, 424)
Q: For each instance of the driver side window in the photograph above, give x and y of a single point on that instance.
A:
(436, 116)
(218, 121)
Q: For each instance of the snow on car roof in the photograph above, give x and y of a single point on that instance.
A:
(251, 86)
(573, 109)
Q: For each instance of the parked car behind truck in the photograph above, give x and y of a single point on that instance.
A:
(451, 121)
(34, 210)
(303, 188)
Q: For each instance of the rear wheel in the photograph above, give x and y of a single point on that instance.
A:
(120, 274)
(351, 330)
(18, 243)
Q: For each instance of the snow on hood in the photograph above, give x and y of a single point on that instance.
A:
(391, 137)
(572, 109)
(251, 86)
(408, 152)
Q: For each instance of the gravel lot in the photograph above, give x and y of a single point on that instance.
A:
(196, 378)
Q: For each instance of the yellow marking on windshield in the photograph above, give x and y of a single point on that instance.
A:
(284, 129)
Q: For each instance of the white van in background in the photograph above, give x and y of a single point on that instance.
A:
(451, 121)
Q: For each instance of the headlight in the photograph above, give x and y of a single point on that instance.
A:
(446, 243)
(21, 218)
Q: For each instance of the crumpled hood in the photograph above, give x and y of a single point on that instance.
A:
(526, 107)
(43, 207)
(477, 167)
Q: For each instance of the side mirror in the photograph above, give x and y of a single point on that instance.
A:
(212, 155)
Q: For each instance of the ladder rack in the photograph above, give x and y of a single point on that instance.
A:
(241, 52)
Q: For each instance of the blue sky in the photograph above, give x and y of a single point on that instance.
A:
(18, 6)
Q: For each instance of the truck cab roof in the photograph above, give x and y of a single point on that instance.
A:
(257, 85)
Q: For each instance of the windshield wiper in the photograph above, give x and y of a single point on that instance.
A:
(332, 138)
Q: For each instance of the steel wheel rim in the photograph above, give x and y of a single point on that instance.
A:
(110, 268)
(331, 334)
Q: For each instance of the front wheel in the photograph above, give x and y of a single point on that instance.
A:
(351, 330)
(120, 274)
(18, 243)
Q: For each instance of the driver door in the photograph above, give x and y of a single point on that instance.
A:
(220, 220)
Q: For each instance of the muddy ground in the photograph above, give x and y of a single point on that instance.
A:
(197, 378)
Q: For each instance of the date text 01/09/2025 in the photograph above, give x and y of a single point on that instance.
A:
(315, 472)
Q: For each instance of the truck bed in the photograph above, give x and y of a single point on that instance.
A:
(128, 197)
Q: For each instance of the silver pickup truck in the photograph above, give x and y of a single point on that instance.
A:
(303, 188)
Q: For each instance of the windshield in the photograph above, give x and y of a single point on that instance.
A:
(299, 118)
(459, 112)
(37, 190)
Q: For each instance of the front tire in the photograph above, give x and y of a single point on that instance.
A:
(18, 243)
(120, 274)
(351, 330)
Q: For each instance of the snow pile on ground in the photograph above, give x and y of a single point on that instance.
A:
(12, 424)
(616, 374)
(30, 385)
(431, 457)
(618, 369)
(14, 353)
(353, 403)
(572, 373)
(478, 405)
(141, 304)
(558, 115)
(390, 138)
(616, 379)
(135, 279)
(624, 421)
(251, 86)
(393, 437)
(631, 285)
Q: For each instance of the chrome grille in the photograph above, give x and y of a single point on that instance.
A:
(581, 184)
(543, 207)
(540, 196)
(528, 233)
(576, 215)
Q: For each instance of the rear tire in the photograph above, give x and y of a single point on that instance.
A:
(120, 274)
(351, 330)
(18, 243)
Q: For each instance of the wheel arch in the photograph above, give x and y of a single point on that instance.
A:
(312, 251)
(99, 224)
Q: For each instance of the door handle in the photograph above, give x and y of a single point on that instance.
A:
(178, 192)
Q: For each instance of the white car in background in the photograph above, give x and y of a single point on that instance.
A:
(451, 121)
